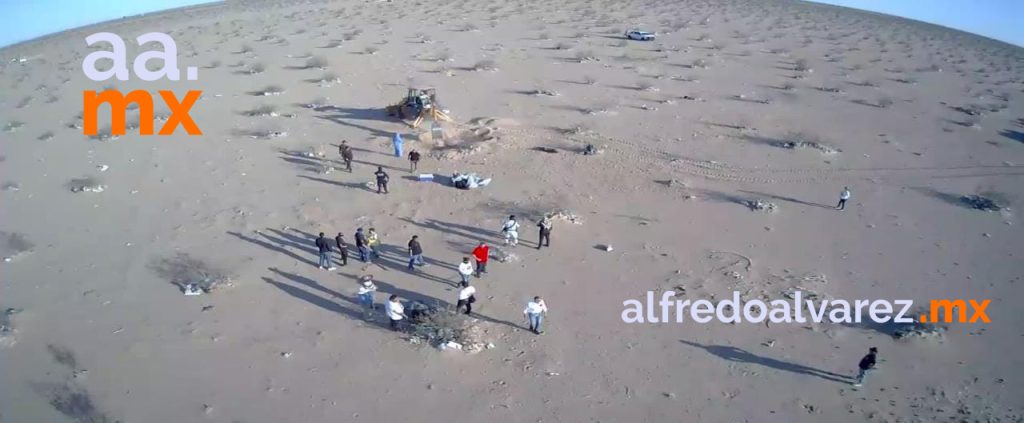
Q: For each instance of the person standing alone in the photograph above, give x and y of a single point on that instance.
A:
(535, 311)
(866, 365)
(545, 224)
(415, 252)
(843, 196)
(397, 141)
(511, 231)
(414, 160)
(324, 247)
(481, 253)
(382, 179)
(346, 155)
(466, 297)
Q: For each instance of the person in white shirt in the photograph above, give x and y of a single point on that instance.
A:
(465, 269)
(843, 196)
(466, 297)
(395, 311)
(365, 292)
(535, 311)
(511, 231)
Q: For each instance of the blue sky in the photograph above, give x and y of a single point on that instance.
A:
(27, 19)
(999, 19)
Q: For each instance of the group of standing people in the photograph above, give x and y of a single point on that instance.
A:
(368, 247)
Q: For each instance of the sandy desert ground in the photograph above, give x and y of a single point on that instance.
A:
(779, 101)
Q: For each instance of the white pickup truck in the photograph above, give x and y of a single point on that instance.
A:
(638, 35)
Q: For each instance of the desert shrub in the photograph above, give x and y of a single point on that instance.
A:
(371, 50)
(589, 80)
(256, 68)
(563, 46)
(263, 110)
(182, 269)
(586, 56)
(801, 65)
(485, 65)
(316, 62)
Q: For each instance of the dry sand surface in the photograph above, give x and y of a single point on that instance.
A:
(737, 101)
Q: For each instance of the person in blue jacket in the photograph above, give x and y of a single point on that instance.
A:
(397, 141)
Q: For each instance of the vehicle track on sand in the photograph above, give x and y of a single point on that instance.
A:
(716, 171)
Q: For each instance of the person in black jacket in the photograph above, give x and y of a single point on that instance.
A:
(339, 241)
(346, 155)
(364, 252)
(324, 247)
(866, 365)
(382, 179)
(415, 252)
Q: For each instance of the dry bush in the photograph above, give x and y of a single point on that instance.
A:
(586, 56)
(317, 103)
(256, 68)
(316, 62)
(801, 65)
(271, 90)
(182, 269)
(544, 36)
(589, 80)
(444, 56)
(214, 64)
(246, 49)
(371, 50)
(84, 184)
(563, 46)
(262, 111)
(13, 244)
(700, 64)
(884, 102)
(45, 136)
(469, 27)
(578, 34)
(485, 65)
(13, 126)
(644, 85)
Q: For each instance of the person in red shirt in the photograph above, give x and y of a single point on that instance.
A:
(481, 253)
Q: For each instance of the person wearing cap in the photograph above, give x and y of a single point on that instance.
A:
(866, 365)
(365, 292)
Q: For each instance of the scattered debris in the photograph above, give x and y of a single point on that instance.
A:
(86, 184)
(565, 215)
(761, 205)
(469, 181)
(13, 245)
(190, 274)
(503, 256)
(979, 202)
(444, 328)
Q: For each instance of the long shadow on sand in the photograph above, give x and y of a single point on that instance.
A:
(788, 199)
(352, 185)
(739, 355)
(276, 244)
(344, 116)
